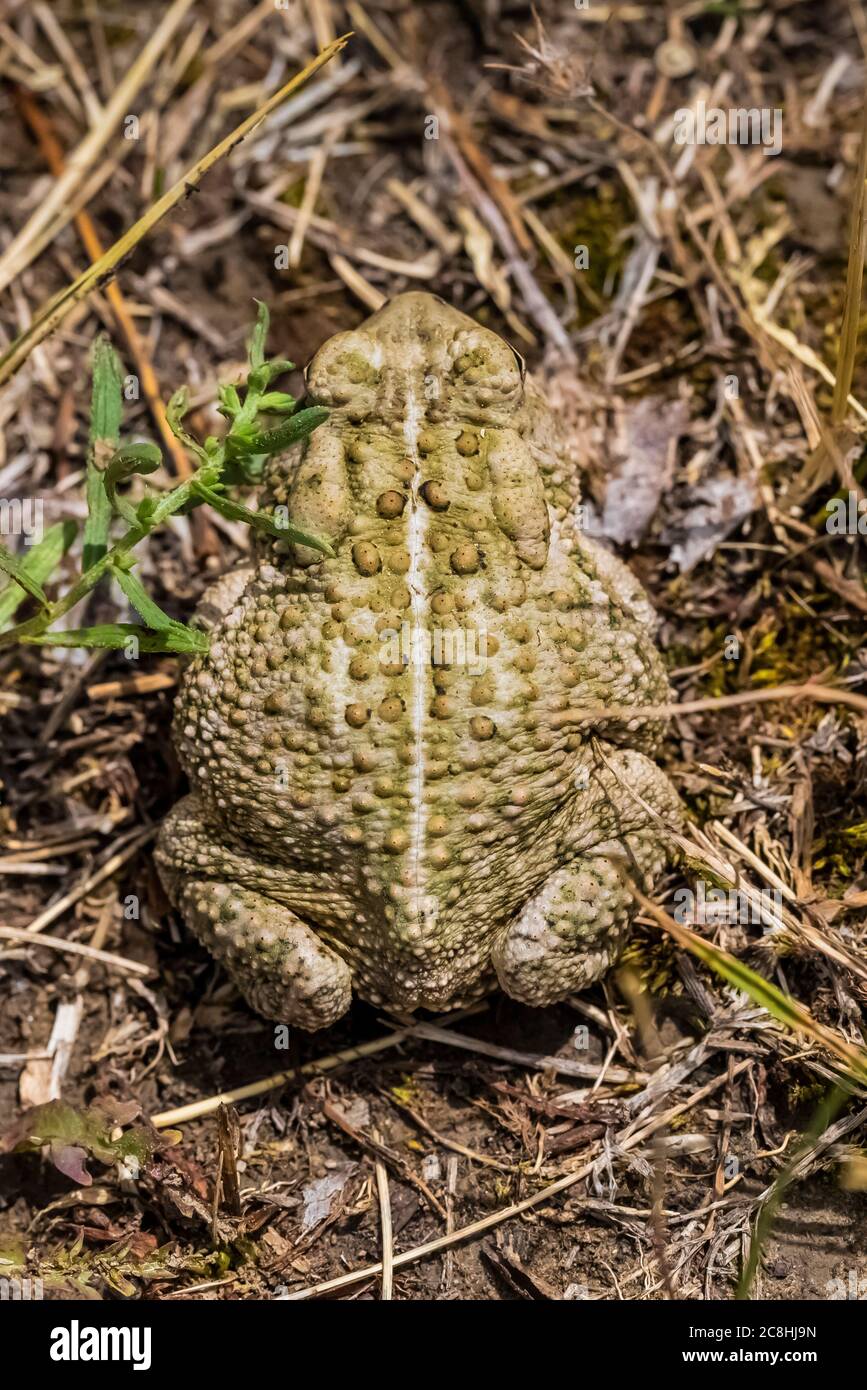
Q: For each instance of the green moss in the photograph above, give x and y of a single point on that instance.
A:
(294, 194)
(13, 1253)
(806, 1093)
(654, 961)
(598, 220)
(408, 1092)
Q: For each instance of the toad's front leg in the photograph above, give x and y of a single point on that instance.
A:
(573, 929)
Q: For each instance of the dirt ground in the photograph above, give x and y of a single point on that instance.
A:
(685, 307)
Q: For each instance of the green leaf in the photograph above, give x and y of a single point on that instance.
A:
(230, 401)
(236, 459)
(175, 412)
(38, 564)
(261, 377)
(22, 575)
(244, 471)
(126, 461)
(282, 437)
(260, 521)
(259, 336)
(174, 638)
(145, 513)
(277, 403)
(105, 417)
(148, 611)
(74, 1135)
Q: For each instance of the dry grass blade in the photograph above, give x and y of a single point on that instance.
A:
(854, 280)
(75, 948)
(821, 694)
(50, 147)
(786, 1010)
(47, 319)
(21, 250)
(702, 849)
(385, 1222)
(382, 1154)
(566, 1066)
(87, 885)
(197, 1109)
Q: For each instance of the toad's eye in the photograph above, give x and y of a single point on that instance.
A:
(343, 369)
(485, 367)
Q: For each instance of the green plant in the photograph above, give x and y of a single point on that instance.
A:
(237, 459)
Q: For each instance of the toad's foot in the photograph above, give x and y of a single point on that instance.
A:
(570, 933)
(280, 966)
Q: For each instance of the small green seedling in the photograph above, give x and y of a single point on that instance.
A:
(235, 460)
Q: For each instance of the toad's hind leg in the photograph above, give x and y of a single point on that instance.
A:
(567, 936)
(277, 961)
(574, 928)
(280, 966)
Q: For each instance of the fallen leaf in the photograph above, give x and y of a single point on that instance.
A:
(74, 1135)
(319, 1195)
(641, 466)
(718, 508)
